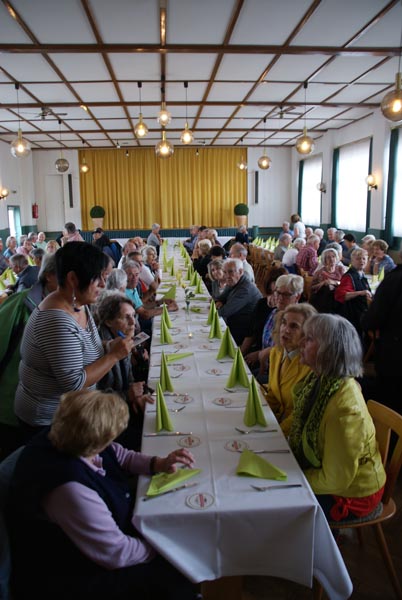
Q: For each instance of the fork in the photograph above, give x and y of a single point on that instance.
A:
(255, 430)
(266, 451)
(263, 488)
(175, 410)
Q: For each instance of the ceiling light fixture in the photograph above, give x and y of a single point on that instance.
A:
(164, 116)
(20, 147)
(391, 104)
(264, 162)
(118, 145)
(140, 128)
(187, 136)
(164, 148)
(127, 154)
(4, 192)
(242, 164)
(62, 165)
(84, 107)
(84, 168)
(305, 144)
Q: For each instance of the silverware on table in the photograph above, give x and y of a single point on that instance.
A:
(176, 489)
(175, 410)
(264, 488)
(255, 430)
(167, 433)
(267, 451)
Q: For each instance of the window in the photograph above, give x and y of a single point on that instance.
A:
(351, 187)
(396, 222)
(310, 196)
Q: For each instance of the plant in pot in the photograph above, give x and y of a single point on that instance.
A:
(241, 211)
(97, 214)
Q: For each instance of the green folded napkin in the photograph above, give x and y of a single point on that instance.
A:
(163, 482)
(254, 413)
(194, 278)
(238, 374)
(162, 420)
(195, 309)
(9, 275)
(252, 465)
(164, 377)
(165, 317)
(177, 356)
(198, 286)
(166, 338)
(172, 271)
(190, 272)
(215, 330)
(227, 347)
(212, 312)
(201, 297)
(171, 293)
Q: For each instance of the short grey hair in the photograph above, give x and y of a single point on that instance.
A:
(320, 232)
(239, 248)
(286, 236)
(129, 264)
(48, 267)
(19, 260)
(328, 251)
(205, 244)
(155, 226)
(116, 279)
(8, 240)
(313, 238)
(340, 349)
(336, 246)
(236, 262)
(293, 283)
(146, 250)
(359, 252)
(299, 243)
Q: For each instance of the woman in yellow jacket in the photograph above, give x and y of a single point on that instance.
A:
(285, 368)
(333, 435)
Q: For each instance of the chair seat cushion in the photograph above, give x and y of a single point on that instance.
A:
(350, 522)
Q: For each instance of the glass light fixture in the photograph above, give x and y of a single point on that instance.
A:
(305, 143)
(164, 148)
(371, 182)
(322, 187)
(140, 129)
(164, 116)
(264, 162)
(186, 135)
(84, 168)
(62, 165)
(20, 147)
(243, 163)
(391, 104)
(4, 192)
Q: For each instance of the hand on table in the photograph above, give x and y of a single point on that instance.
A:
(168, 464)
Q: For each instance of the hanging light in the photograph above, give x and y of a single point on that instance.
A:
(264, 162)
(164, 116)
(62, 165)
(164, 148)
(242, 164)
(84, 168)
(186, 135)
(20, 147)
(140, 128)
(305, 143)
(391, 104)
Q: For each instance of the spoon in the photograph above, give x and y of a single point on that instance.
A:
(255, 430)
(175, 410)
(263, 488)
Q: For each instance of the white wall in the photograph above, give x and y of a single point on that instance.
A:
(17, 175)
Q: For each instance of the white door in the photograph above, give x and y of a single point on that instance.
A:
(54, 191)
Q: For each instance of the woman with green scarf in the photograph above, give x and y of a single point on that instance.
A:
(333, 435)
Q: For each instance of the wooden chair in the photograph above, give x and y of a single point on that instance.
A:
(308, 279)
(386, 421)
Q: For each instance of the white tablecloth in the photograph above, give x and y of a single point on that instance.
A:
(281, 533)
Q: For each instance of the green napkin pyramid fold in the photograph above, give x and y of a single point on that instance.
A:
(165, 317)
(177, 356)
(238, 374)
(172, 271)
(198, 286)
(164, 377)
(163, 420)
(166, 338)
(252, 465)
(171, 293)
(190, 272)
(212, 312)
(163, 482)
(194, 278)
(254, 413)
(227, 347)
(215, 330)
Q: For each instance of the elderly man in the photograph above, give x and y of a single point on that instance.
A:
(128, 247)
(237, 250)
(189, 243)
(71, 234)
(331, 232)
(26, 275)
(307, 259)
(237, 303)
(133, 291)
(285, 229)
(284, 244)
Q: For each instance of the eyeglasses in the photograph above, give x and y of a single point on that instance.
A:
(284, 294)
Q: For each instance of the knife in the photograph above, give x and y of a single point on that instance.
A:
(176, 489)
(167, 433)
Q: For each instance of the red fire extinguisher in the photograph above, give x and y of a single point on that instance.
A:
(35, 211)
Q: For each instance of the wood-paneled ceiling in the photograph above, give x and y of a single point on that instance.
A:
(244, 60)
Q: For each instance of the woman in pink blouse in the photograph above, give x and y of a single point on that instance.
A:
(325, 279)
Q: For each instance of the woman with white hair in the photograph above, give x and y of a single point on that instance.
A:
(154, 238)
(325, 279)
(333, 436)
(289, 258)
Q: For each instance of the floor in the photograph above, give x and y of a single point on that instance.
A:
(364, 563)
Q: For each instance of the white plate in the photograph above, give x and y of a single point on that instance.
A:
(182, 368)
(236, 445)
(183, 399)
(191, 441)
(200, 501)
(214, 371)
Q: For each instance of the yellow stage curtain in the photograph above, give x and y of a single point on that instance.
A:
(141, 189)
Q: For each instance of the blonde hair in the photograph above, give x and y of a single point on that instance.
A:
(85, 422)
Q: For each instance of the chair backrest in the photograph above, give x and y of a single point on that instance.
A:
(387, 420)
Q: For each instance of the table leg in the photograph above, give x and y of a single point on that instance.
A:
(225, 587)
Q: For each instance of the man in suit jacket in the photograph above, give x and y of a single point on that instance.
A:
(26, 275)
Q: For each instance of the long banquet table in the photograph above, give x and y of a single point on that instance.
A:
(222, 526)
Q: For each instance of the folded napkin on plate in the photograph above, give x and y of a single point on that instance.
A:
(252, 465)
(212, 312)
(171, 293)
(195, 309)
(215, 331)
(201, 297)
(163, 482)
(254, 413)
(227, 347)
(173, 357)
(238, 374)
(166, 338)
(165, 316)
(162, 420)
(164, 377)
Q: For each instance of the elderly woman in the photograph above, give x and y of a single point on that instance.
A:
(333, 436)
(11, 246)
(289, 258)
(217, 277)
(242, 235)
(71, 490)
(325, 279)
(285, 368)
(52, 246)
(353, 291)
(154, 239)
(201, 263)
(380, 260)
(61, 349)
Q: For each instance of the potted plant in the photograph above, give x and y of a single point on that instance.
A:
(241, 211)
(97, 214)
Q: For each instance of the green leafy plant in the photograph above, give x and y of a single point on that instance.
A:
(97, 212)
(241, 209)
